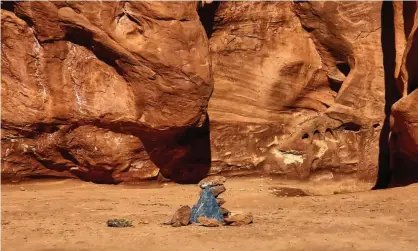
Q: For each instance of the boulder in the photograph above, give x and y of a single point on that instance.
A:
(181, 217)
(220, 201)
(225, 212)
(216, 190)
(212, 181)
(239, 219)
(207, 222)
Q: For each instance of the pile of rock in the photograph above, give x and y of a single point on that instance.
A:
(216, 185)
(209, 210)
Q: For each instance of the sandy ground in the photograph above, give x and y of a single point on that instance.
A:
(71, 215)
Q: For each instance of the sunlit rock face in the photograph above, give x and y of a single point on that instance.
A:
(103, 90)
(299, 89)
(127, 91)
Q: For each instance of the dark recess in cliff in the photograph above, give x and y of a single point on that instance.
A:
(186, 157)
(9, 5)
(84, 38)
(207, 16)
(391, 94)
(408, 15)
(344, 68)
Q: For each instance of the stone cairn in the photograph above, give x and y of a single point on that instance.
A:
(209, 210)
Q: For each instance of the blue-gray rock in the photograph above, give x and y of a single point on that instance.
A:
(206, 207)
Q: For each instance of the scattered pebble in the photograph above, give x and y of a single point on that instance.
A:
(119, 223)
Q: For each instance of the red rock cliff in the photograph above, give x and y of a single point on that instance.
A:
(103, 91)
(119, 91)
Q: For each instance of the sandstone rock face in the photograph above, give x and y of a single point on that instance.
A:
(119, 91)
(101, 90)
(299, 89)
(404, 115)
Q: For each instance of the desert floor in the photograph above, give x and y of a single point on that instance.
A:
(71, 215)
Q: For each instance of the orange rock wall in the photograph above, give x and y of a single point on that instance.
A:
(127, 91)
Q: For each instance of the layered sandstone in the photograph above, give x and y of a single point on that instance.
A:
(102, 90)
(404, 114)
(119, 91)
(299, 92)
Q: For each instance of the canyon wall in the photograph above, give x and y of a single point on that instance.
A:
(106, 92)
(404, 113)
(127, 91)
(299, 92)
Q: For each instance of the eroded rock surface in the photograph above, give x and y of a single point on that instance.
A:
(109, 92)
(404, 114)
(118, 91)
(300, 92)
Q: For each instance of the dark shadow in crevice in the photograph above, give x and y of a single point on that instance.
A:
(391, 94)
(96, 176)
(182, 154)
(409, 8)
(344, 68)
(405, 171)
(46, 128)
(186, 157)
(85, 38)
(8, 5)
(207, 16)
(412, 62)
(334, 85)
(99, 176)
(66, 155)
(412, 87)
(350, 126)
